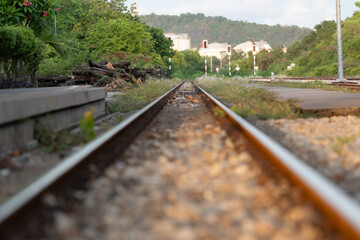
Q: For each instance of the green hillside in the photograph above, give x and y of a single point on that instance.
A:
(221, 29)
(314, 55)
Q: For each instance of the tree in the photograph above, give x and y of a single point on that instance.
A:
(188, 64)
(93, 11)
(161, 43)
(118, 35)
(179, 60)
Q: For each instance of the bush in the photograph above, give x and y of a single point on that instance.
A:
(54, 64)
(20, 54)
(120, 35)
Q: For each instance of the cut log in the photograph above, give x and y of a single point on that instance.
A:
(98, 71)
(121, 65)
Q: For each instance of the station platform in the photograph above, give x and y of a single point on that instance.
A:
(57, 107)
(320, 101)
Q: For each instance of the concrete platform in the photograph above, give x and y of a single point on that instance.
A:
(320, 101)
(58, 107)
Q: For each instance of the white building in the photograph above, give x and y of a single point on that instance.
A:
(181, 41)
(214, 49)
(248, 46)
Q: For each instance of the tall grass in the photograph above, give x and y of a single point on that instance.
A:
(141, 95)
(250, 101)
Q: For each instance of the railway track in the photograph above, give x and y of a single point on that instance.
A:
(39, 203)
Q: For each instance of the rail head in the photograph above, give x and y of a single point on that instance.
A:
(330, 198)
(38, 188)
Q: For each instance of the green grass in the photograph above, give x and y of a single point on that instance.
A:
(250, 101)
(141, 95)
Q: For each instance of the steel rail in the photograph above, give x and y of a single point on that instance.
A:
(334, 202)
(105, 148)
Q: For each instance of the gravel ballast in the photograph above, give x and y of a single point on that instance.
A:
(183, 178)
(331, 145)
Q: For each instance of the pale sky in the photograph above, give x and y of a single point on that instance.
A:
(304, 13)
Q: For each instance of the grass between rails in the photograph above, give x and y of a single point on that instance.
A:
(141, 95)
(250, 101)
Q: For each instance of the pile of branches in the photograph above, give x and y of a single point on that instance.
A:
(101, 74)
(105, 75)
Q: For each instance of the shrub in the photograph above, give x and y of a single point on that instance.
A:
(20, 54)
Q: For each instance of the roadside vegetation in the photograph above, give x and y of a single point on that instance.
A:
(249, 101)
(315, 54)
(52, 37)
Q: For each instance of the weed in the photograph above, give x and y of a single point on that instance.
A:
(52, 141)
(87, 125)
(218, 112)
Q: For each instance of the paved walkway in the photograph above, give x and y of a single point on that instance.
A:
(315, 99)
(310, 99)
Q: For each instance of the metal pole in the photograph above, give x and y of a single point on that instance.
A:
(205, 65)
(229, 67)
(170, 58)
(254, 65)
(339, 43)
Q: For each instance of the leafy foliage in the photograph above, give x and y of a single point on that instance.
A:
(104, 31)
(36, 14)
(161, 43)
(120, 35)
(20, 54)
(188, 64)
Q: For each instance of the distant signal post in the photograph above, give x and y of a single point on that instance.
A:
(205, 45)
(229, 55)
(254, 52)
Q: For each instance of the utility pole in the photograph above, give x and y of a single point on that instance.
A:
(339, 43)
